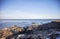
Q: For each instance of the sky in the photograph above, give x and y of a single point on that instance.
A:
(29, 9)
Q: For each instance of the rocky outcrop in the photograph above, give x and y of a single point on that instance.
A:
(13, 31)
(9, 31)
(56, 21)
(33, 26)
(16, 28)
(5, 33)
(52, 25)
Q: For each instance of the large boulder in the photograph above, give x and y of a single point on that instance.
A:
(4, 33)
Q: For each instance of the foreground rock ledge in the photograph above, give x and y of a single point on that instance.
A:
(9, 31)
(15, 29)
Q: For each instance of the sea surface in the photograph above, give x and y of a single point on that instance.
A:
(23, 22)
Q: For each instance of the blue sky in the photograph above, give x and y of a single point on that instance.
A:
(29, 9)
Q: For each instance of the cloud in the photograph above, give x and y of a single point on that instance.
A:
(28, 16)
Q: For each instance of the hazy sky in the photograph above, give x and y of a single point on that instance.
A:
(29, 9)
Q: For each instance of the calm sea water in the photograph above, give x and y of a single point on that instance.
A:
(22, 22)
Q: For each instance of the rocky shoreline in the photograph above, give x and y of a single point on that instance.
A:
(32, 32)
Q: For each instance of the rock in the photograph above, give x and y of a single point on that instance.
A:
(16, 29)
(56, 21)
(33, 26)
(2, 38)
(8, 31)
(30, 28)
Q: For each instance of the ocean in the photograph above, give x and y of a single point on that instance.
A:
(23, 22)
